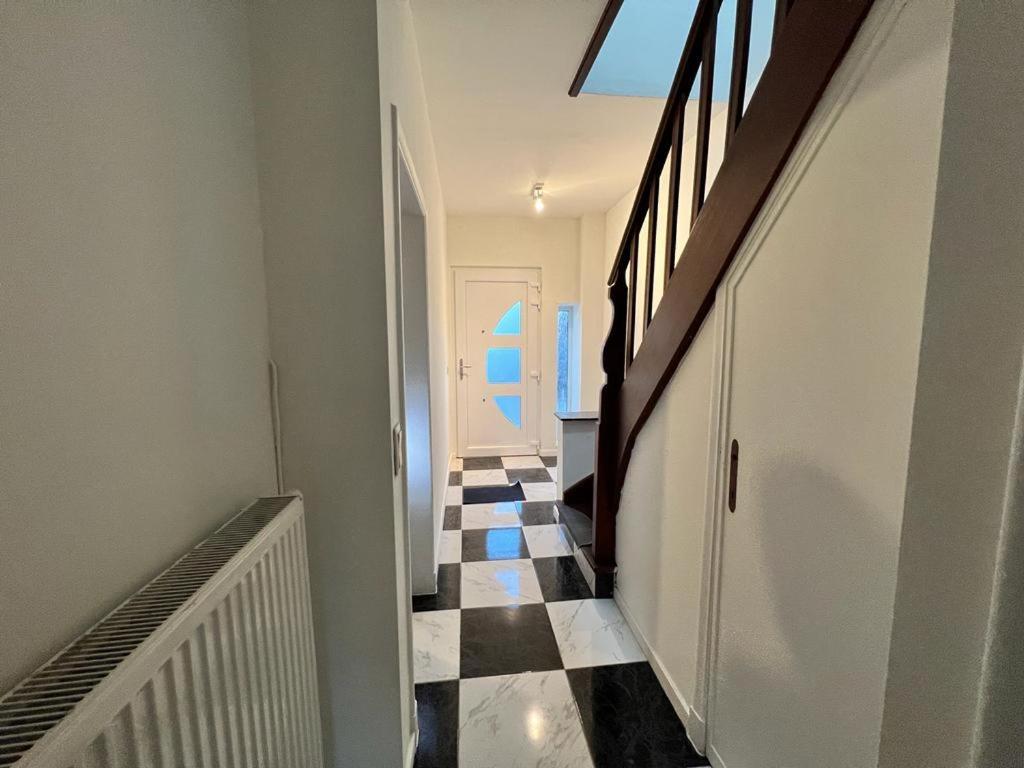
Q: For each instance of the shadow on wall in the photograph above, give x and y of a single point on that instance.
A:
(820, 591)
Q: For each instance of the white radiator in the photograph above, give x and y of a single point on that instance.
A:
(210, 664)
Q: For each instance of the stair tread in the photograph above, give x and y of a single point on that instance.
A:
(579, 524)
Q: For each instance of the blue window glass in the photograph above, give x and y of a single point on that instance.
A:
(562, 349)
(511, 322)
(511, 408)
(503, 366)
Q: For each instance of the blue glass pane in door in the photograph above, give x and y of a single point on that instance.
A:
(511, 322)
(503, 365)
(511, 408)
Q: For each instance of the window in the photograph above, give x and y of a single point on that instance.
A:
(503, 365)
(567, 360)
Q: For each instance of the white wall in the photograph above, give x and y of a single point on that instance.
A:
(325, 205)
(135, 410)
(963, 491)
(548, 243)
(660, 525)
(593, 298)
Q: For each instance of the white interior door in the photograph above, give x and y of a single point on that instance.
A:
(496, 360)
(818, 399)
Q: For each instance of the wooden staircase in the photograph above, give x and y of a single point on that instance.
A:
(648, 338)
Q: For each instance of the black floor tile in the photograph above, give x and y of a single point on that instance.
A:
(561, 579)
(537, 512)
(438, 714)
(491, 494)
(549, 461)
(628, 720)
(494, 544)
(505, 641)
(528, 476)
(487, 462)
(454, 478)
(449, 590)
(452, 518)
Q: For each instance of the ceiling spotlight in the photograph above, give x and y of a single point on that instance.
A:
(538, 197)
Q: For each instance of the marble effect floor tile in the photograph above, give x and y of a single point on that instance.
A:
(537, 512)
(553, 471)
(455, 477)
(485, 462)
(561, 579)
(437, 713)
(484, 477)
(520, 721)
(547, 540)
(539, 491)
(503, 641)
(450, 550)
(522, 462)
(592, 633)
(549, 461)
(499, 582)
(528, 475)
(435, 642)
(493, 544)
(453, 496)
(452, 518)
(455, 465)
(449, 585)
(502, 514)
(628, 720)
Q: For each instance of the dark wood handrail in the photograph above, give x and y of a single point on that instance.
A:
(806, 50)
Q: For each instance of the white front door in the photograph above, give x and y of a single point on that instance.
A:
(496, 360)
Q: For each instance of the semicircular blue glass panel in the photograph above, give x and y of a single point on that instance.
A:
(511, 408)
(511, 322)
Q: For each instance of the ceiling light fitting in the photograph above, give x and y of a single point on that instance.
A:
(538, 197)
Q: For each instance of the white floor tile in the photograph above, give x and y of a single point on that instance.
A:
(453, 496)
(539, 491)
(499, 582)
(522, 462)
(450, 550)
(553, 471)
(484, 477)
(592, 633)
(547, 540)
(520, 721)
(500, 515)
(435, 642)
(456, 465)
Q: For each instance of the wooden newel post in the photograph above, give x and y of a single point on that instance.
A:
(606, 485)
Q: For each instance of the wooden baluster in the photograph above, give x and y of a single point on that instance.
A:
(707, 82)
(782, 8)
(740, 59)
(606, 460)
(652, 250)
(630, 345)
(674, 173)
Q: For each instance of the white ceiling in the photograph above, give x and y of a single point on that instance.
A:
(497, 74)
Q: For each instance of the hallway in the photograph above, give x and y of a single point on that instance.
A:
(515, 663)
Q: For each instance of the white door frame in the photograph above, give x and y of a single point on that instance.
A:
(531, 333)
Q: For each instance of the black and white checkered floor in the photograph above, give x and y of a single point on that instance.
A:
(516, 663)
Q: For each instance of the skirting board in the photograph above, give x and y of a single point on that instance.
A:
(696, 730)
(548, 452)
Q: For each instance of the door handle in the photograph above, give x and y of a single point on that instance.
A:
(734, 465)
(462, 368)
